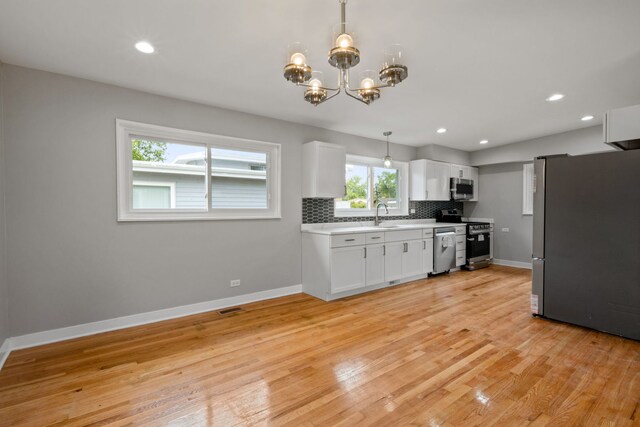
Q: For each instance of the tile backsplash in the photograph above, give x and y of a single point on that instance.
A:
(316, 211)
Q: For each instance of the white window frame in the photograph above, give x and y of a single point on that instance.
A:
(126, 130)
(527, 189)
(170, 185)
(403, 188)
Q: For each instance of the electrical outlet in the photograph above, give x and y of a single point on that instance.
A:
(506, 230)
(235, 283)
(413, 210)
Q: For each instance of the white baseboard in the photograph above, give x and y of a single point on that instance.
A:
(508, 263)
(5, 349)
(55, 335)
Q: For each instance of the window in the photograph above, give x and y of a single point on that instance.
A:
(368, 181)
(527, 189)
(162, 175)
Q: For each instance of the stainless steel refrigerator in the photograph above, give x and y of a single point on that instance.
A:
(586, 241)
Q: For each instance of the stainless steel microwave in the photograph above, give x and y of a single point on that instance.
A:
(461, 189)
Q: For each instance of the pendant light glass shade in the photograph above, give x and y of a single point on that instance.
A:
(387, 159)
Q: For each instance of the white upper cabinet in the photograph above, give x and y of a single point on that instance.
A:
(464, 172)
(459, 171)
(323, 169)
(429, 180)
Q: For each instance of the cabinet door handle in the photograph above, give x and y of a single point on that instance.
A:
(365, 252)
(349, 240)
(375, 237)
(384, 250)
(406, 247)
(424, 245)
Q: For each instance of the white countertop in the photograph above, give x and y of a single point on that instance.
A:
(333, 229)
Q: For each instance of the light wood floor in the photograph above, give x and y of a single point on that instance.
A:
(456, 350)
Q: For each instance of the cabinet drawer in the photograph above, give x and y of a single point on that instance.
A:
(461, 229)
(403, 235)
(460, 259)
(461, 242)
(427, 233)
(342, 240)
(374, 238)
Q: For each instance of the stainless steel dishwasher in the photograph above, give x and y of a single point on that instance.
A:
(444, 249)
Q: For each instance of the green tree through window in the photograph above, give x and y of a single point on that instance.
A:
(356, 192)
(387, 185)
(148, 151)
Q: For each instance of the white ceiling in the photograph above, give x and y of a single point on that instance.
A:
(480, 68)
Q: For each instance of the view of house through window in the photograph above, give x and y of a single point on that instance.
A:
(172, 176)
(168, 175)
(367, 184)
(238, 179)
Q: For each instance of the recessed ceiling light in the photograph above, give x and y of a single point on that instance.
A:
(145, 47)
(555, 97)
(587, 118)
(484, 141)
(441, 130)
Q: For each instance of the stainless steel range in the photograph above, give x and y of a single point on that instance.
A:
(478, 246)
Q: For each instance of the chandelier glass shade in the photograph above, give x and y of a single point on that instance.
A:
(344, 55)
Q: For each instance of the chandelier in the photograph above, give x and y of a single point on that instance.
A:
(343, 56)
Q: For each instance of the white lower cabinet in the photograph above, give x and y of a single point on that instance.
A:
(334, 266)
(374, 264)
(348, 268)
(461, 245)
(402, 259)
(412, 259)
(427, 256)
(393, 261)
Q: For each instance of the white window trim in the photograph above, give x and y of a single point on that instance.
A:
(403, 189)
(125, 130)
(527, 189)
(170, 185)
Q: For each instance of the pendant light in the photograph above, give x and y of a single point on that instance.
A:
(387, 159)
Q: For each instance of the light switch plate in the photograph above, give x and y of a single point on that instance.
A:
(506, 230)
(235, 283)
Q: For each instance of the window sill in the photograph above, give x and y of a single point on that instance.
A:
(343, 214)
(180, 218)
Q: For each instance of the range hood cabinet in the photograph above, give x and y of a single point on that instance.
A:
(622, 128)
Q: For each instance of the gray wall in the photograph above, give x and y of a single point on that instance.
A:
(444, 154)
(4, 289)
(500, 198)
(69, 261)
(501, 185)
(582, 141)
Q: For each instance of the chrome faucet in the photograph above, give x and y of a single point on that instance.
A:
(376, 220)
